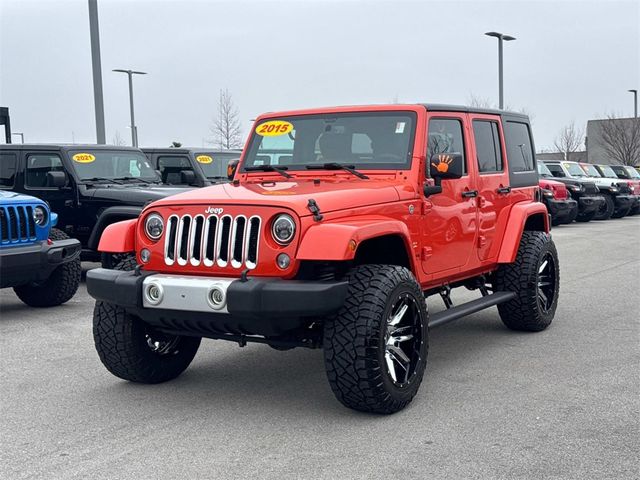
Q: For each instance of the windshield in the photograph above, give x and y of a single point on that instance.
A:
(607, 171)
(214, 165)
(574, 169)
(633, 173)
(112, 165)
(376, 140)
(591, 171)
(544, 170)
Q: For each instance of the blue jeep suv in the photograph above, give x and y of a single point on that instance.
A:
(41, 263)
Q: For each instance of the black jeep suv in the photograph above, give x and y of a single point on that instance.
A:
(199, 167)
(88, 186)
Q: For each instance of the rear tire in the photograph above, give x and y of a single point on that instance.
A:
(535, 278)
(621, 213)
(133, 350)
(59, 288)
(375, 348)
(606, 209)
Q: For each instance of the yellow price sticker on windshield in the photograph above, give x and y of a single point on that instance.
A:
(204, 159)
(274, 128)
(83, 158)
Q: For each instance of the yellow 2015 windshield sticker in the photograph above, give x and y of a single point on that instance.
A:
(274, 128)
(83, 158)
(204, 159)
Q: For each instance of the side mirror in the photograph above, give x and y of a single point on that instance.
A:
(443, 166)
(232, 166)
(187, 177)
(56, 179)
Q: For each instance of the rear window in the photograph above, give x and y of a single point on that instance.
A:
(519, 147)
(8, 162)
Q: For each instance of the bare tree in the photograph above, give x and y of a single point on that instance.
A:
(621, 139)
(226, 129)
(117, 139)
(569, 139)
(474, 101)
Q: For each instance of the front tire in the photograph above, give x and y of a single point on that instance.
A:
(375, 348)
(133, 350)
(535, 278)
(59, 288)
(606, 209)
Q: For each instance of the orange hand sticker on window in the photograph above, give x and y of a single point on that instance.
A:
(443, 163)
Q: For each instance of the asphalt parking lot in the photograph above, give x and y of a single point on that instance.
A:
(563, 403)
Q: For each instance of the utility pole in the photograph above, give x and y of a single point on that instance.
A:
(501, 37)
(97, 71)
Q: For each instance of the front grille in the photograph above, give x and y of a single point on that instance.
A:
(590, 187)
(624, 188)
(16, 224)
(212, 240)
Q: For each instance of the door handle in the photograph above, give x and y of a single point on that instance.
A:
(503, 190)
(470, 193)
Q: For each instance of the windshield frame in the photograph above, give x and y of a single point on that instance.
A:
(604, 168)
(94, 151)
(569, 165)
(301, 167)
(214, 155)
(632, 172)
(548, 173)
(591, 169)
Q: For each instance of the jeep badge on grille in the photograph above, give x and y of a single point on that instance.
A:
(216, 211)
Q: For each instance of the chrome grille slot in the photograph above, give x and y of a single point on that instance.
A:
(210, 240)
(213, 241)
(196, 239)
(237, 248)
(224, 241)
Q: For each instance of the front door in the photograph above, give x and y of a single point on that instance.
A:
(449, 225)
(494, 191)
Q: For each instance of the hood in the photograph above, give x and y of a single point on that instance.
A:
(330, 195)
(548, 181)
(13, 197)
(131, 194)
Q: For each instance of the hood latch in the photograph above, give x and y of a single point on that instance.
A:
(313, 208)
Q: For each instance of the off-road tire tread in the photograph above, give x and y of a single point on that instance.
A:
(610, 208)
(353, 372)
(59, 288)
(522, 313)
(115, 333)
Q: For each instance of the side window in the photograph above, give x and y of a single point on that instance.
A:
(170, 168)
(38, 165)
(556, 170)
(487, 140)
(8, 162)
(519, 147)
(445, 136)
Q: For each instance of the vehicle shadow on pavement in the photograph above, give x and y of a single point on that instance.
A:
(262, 380)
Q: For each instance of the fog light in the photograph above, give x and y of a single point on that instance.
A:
(145, 255)
(283, 261)
(216, 298)
(154, 293)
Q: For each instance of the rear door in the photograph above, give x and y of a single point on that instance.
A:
(494, 191)
(36, 166)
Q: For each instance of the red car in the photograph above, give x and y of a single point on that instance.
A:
(555, 195)
(632, 177)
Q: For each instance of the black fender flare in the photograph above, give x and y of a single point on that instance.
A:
(107, 217)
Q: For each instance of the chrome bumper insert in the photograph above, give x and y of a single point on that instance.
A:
(187, 293)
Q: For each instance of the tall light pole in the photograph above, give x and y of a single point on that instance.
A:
(635, 102)
(97, 71)
(501, 37)
(134, 130)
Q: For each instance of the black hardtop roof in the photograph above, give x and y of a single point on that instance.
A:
(64, 146)
(441, 107)
(188, 150)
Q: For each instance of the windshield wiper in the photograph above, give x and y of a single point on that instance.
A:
(338, 166)
(136, 179)
(103, 179)
(268, 168)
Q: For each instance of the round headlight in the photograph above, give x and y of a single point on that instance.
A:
(40, 215)
(283, 229)
(154, 226)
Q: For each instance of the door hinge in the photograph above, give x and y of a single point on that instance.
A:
(426, 252)
(482, 241)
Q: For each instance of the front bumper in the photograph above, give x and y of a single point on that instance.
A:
(25, 264)
(587, 205)
(257, 306)
(623, 202)
(561, 210)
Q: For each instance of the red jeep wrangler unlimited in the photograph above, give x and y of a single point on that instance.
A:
(337, 225)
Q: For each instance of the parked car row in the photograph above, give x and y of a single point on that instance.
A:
(583, 191)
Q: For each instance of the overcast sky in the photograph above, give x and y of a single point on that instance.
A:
(571, 61)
